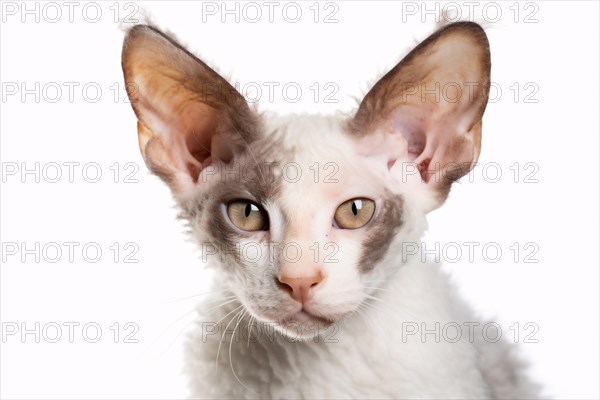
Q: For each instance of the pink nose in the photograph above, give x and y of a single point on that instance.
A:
(300, 288)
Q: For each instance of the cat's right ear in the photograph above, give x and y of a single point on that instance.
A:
(189, 117)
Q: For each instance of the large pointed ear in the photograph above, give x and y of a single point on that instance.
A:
(188, 115)
(429, 106)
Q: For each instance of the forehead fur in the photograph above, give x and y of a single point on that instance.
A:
(316, 158)
(299, 137)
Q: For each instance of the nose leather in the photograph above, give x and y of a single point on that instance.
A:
(301, 287)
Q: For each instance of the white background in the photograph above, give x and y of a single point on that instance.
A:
(557, 56)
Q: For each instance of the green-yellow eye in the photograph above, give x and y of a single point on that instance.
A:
(248, 216)
(354, 213)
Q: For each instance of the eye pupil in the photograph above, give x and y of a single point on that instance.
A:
(354, 209)
(248, 210)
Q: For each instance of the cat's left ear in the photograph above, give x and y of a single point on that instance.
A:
(427, 110)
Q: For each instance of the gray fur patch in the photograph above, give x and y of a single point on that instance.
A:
(386, 224)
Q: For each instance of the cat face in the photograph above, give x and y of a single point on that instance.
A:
(301, 231)
(303, 216)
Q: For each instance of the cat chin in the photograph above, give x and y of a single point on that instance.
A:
(303, 326)
(307, 318)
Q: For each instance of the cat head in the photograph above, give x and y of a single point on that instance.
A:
(304, 215)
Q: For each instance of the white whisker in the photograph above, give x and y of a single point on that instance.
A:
(224, 332)
(230, 359)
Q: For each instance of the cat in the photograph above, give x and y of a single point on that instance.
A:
(303, 220)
